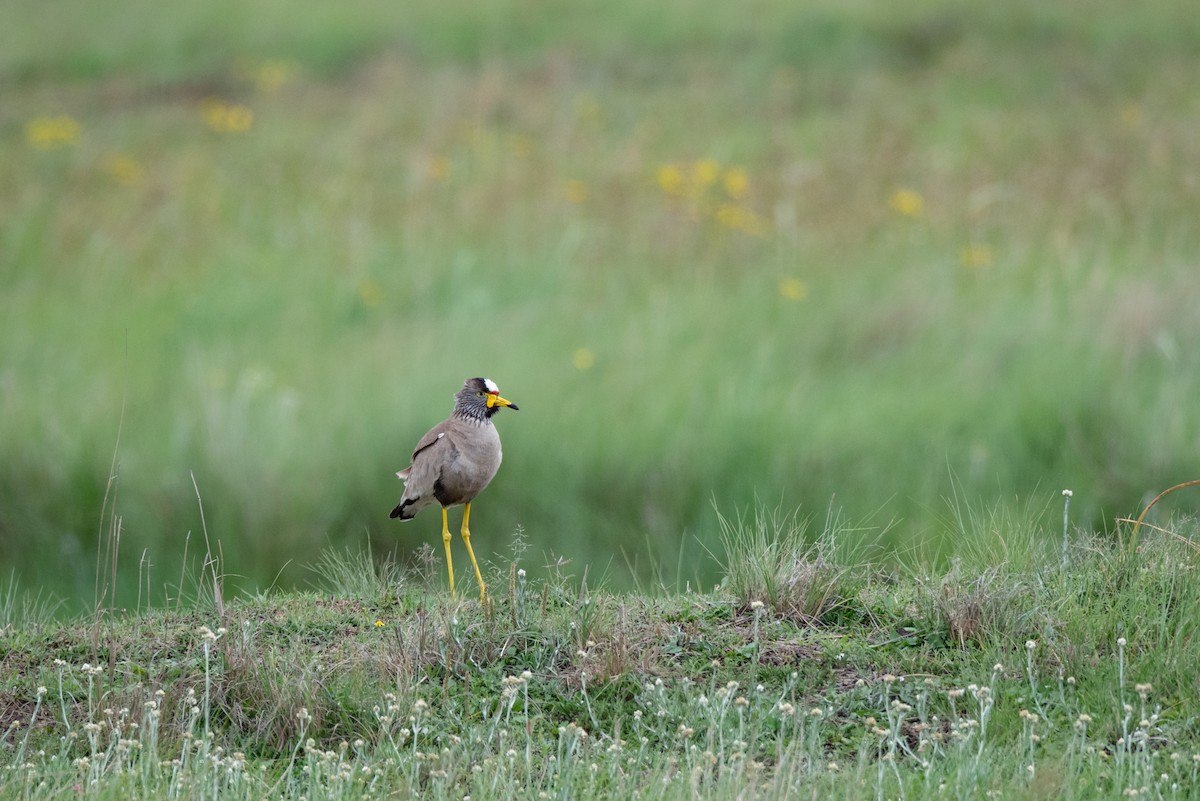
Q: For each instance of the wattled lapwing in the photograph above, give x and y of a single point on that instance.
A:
(454, 462)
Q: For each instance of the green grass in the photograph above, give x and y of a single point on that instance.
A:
(281, 311)
(906, 270)
(1042, 677)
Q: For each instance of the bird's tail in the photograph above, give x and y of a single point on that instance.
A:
(408, 507)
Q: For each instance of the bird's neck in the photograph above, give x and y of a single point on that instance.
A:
(475, 418)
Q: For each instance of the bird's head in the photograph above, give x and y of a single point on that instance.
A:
(480, 398)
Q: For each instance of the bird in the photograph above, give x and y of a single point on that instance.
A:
(454, 462)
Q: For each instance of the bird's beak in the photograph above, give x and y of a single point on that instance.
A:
(494, 399)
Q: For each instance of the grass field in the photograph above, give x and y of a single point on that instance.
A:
(810, 674)
(863, 256)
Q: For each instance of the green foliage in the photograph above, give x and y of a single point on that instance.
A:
(797, 249)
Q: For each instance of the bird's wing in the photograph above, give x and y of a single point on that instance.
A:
(432, 453)
(431, 438)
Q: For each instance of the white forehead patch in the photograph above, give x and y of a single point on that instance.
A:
(491, 385)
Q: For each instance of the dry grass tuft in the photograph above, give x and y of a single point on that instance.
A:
(769, 560)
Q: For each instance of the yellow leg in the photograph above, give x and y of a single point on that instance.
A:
(446, 542)
(466, 535)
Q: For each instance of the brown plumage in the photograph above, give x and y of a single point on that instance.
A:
(454, 462)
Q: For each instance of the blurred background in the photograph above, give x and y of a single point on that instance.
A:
(871, 257)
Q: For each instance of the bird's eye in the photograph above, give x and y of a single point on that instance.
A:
(479, 394)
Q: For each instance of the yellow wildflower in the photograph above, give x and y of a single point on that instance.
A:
(740, 219)
(976, 256)
(439, 167)
(670, 179)
(793, 289)
(227, 118)
(736, 182)
(576, 191)
(584, 359)
(370, 293)
(270, 76)
(48, 133)
(705, 171)
(239, 118)
(379, 624)
(123, 169)
(907, 202)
